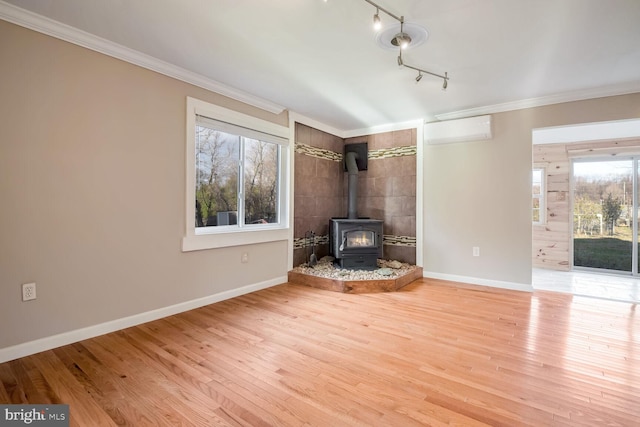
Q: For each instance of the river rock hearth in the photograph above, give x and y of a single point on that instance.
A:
(390, 276)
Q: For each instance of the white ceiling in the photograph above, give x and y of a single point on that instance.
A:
(320, 58)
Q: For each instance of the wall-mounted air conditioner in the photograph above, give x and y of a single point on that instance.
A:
(459, 130)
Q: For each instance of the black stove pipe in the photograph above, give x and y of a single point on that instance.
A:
(352, 197)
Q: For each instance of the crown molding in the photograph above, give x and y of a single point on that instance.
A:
(308, 121)
(391, 127)
(581, 95)
(50, 27)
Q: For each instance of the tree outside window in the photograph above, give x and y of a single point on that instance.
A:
(226, 196)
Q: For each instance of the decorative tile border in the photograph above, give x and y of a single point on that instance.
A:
(406, 241)
(383, 153)
(303, 242)
(319, 153)
(389, 240)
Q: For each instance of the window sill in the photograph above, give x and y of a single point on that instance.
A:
(204, 241)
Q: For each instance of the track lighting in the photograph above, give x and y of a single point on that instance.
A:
(377, 24)
(403, 41)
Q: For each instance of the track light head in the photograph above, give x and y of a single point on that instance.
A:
(377, 24)
(402, 40)
(419, 76)
(445, 82)
(400, 62)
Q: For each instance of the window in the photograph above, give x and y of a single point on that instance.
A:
(538, 192)
(236, 178)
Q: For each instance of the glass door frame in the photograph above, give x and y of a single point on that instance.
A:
(635, 164)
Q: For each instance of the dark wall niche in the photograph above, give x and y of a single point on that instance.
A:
(362, 151)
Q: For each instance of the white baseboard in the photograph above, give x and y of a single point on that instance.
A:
(478, 281)
(43, 344)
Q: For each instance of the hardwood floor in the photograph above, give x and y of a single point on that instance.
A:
(431, 354)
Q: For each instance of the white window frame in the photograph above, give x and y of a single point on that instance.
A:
(542, 198)
(199, 238)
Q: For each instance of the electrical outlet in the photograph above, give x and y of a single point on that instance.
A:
(28, 291)
(244, 258)
(476, 251)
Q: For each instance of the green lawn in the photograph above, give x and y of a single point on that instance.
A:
(610, 252)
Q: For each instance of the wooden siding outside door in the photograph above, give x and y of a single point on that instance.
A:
(552, 239)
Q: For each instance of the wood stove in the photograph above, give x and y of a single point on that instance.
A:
(355, 242)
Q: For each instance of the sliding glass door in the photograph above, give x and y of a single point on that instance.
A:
(605, 214)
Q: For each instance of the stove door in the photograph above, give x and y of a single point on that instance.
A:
(358, 239)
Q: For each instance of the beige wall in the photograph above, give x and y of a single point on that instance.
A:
(92, 164)
(479, 193)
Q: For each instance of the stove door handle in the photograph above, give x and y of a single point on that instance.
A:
(344, 240)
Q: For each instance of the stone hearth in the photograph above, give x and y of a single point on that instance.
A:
(326, 276)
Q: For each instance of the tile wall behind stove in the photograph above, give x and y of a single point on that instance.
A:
(318, 189)
(387, 190)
